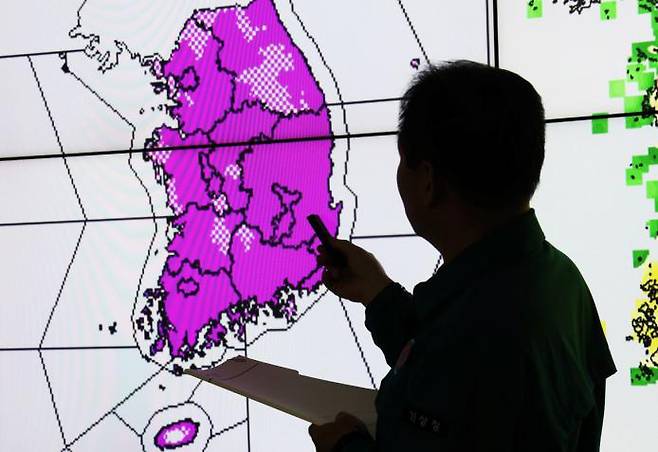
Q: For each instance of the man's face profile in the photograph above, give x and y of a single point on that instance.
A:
(415, 188)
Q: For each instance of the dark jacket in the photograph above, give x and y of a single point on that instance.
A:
(508, 353)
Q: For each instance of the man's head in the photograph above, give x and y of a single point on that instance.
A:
(471, 133)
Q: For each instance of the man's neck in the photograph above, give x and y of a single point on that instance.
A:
(452, 231)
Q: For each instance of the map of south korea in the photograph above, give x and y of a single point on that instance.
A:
(241, 240)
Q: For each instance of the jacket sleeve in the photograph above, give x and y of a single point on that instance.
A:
(589, 431)
(390, 318)
(355, 442)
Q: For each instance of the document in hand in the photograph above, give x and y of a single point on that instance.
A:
(312, 399)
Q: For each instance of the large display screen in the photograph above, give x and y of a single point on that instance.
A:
(158, 160)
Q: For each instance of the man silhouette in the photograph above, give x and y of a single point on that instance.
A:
(502, 348)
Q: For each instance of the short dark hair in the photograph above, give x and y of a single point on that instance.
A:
(482, 128)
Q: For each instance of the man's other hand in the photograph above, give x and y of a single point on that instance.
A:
(326, 436)
(360, 279)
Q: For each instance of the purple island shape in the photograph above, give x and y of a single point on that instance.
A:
(176, 434)
(241, 240)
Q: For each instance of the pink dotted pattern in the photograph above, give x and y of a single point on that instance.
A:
(233, 171)
(246, 237)
(220, 203)
(188, 98)
(195, 37)
(244, 25)
(263, 82)
(160, 157)
(220, 235)
(172, 196)
(206, 17)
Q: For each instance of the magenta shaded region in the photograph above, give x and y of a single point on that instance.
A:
(211, 100)
(177, 434)
(236, 81)
(183, 180)
(204, 93)
(245, 52)
(294, 166)
(203, 240)
(188, 314)
(260, 270)
(252, 121)
(226, 163)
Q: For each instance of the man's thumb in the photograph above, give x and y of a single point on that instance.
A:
(340, 245)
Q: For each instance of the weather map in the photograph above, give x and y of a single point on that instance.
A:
(236, 76)
(159, 160)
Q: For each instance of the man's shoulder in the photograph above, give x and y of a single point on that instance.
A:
(547, 270)
(535, 292)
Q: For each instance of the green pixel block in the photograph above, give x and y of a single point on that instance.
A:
(641, 163)
(652, 226)
(633, 70)
(637, 121)
(633, 104)
(617, 88)
(652, 193)
(652, 189)
(633, 177)
(535, 9)
(642, 49)
(654, 21)
(640, 377)
(599, 125)
(645, 80)
(608, 10)
(639, 257)
(644, 6)
(653, 62)
(652, 156)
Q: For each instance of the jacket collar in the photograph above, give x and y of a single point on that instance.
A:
(520, 236)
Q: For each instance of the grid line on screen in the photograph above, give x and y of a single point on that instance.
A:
(33, 54)
(413, 31)
(358, 344)
(71, 348)
(52, 397)
(130, 427)
(488, 32)
(112, 410)
(62, 154)
(230, 427)
(495, 33)
(85, 221)
(347, 136)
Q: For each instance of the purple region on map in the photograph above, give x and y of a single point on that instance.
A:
(241, 239)
(176, 434)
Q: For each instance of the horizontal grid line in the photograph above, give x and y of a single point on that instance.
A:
(248, 143)
(82, 220)
(306, 139)
(644, 113)
(90, 347)
(33, 54)
(164, 217)
(365, 101)
(383, 236)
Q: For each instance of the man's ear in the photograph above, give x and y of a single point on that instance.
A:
(432, 184)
